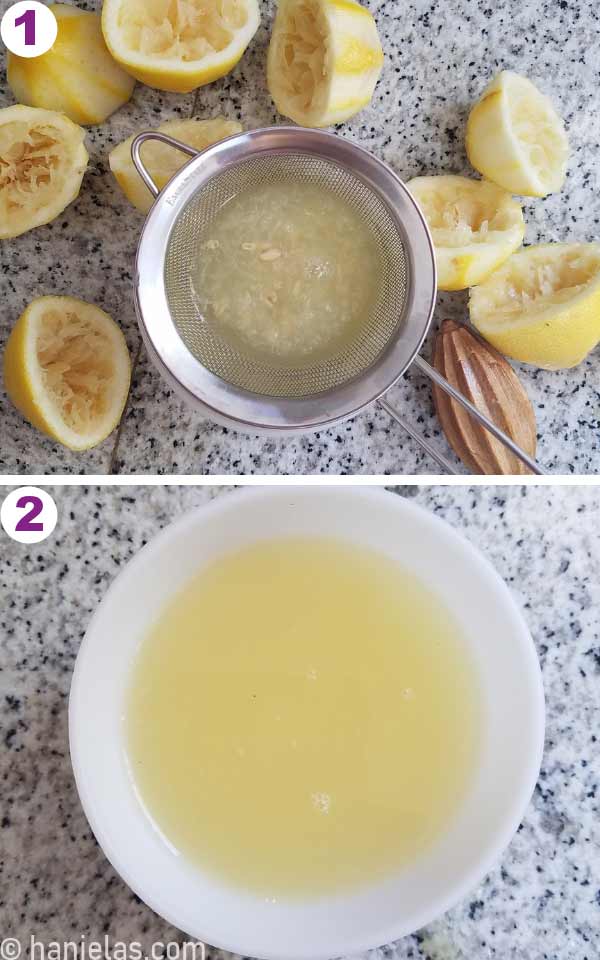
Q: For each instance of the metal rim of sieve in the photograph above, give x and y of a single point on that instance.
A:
(253, 412)
(185, 371)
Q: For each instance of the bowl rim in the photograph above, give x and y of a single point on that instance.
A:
(511, 819)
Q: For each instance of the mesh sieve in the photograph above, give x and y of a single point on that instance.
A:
(214, 371)
(224, 358)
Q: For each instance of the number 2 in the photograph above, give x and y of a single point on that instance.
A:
(28, 20)
(26, 524)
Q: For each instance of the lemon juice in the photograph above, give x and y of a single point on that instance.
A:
(288, 272)
(302, 718)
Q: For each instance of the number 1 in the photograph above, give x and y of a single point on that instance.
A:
(28, 19)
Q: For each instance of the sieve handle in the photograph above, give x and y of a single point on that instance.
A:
(136, 146)
(496, 432)
(439, 458)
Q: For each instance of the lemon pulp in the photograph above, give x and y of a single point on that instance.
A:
(31, 160)
(42, 163)
(324, 60)
(76, 367)
(474, 225)
(543, 284)
(179, 45)
(187, 30)
(67, 369)
(287, 272)
(301, 58)
(302, 718)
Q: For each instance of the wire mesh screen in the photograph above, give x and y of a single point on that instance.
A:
(227, 360)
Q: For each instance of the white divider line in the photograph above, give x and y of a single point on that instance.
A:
(363, 480)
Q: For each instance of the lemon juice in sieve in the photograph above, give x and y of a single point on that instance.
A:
(287, 272)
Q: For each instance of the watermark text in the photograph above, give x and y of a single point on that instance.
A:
(12, 948)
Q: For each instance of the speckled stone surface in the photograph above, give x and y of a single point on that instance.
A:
(439, 57)
(541, 902)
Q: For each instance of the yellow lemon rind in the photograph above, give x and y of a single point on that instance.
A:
(77, 76)
(493, 149)
(24, 387)
(174, 75)
(463, 269)
(560, 337)
(353, 64)
(128, 178)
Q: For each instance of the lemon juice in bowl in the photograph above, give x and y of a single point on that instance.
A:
(287, 271)
(303, 718)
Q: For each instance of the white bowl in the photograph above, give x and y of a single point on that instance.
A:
(512, 735)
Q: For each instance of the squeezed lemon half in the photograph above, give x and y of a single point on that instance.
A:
(543, 305)
(179, 45)
(325, 58)
(516, 138)
(162, 161)
(67, 369)
(77, 76)
(42, 163)
(474, 225)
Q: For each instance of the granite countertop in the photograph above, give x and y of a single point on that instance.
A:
(541, 902)
(439, 58)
